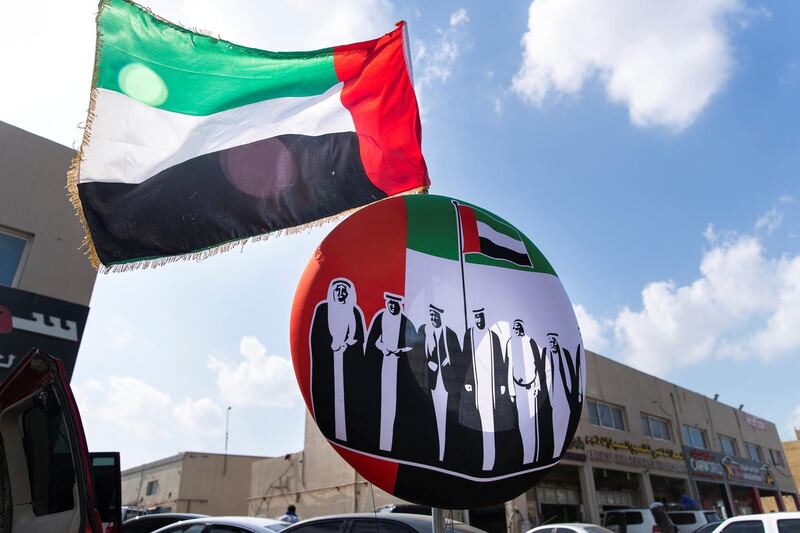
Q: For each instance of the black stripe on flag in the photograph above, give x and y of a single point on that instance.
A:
(496, 251)
(231, 194)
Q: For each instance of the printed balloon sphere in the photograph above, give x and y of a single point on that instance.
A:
(438, 352)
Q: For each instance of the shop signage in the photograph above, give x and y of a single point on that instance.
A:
(703, 464)
(29, 320)
(635, 461)
(756, 422)
(714, 465)
(637, 449)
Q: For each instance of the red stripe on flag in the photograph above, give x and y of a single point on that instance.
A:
(469, 229)
(380, 96)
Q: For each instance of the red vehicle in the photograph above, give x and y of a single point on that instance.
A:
(49, 482)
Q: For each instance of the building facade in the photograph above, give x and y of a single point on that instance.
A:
(791, 451)
(191, 482)
(640, 439)
(45, 280)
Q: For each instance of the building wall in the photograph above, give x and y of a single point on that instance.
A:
(214, 485)
(34, 201)
(166, 472)
(193, 482)
(317, 481)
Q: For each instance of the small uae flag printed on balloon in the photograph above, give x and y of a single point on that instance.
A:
(438, 352)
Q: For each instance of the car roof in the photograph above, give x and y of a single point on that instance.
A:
(416, 520)
(568, 524)
(782, 514)
(144, 517)
(234, 521)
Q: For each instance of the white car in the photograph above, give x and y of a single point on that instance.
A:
(226, 524)
(761, 523)
(690, 521)
(635, 521)
(572, 527)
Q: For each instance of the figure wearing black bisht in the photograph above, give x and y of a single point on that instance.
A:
(544, 409)
(485, 396)
(442, 353)
(391, 338)
(337, 353)
(570, 373)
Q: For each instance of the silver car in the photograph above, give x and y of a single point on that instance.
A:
(376, 523)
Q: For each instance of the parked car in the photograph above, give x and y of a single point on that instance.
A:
(633, 521)
(226, 524)
(49, 482)
(691, 521)
(572, 527)
(761, 523)
(150, 522)
(408, 508)
(132, 511)
(708, 528)
(372, 522)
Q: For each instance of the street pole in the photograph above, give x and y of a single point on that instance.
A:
(437, 515)
(225, 460)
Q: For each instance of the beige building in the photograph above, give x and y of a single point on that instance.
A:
(45, 280)
(640, 439)
(791, 450)
(191, 482)
(40, 235)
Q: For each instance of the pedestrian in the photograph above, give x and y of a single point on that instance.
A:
(290, 515)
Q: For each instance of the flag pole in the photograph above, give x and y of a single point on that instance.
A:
(461, 260)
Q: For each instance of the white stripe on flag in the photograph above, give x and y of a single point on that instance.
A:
(500, 239)
(131, 142)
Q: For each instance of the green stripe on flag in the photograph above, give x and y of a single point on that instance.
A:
(495, 223)
(432, 226)
(171, 68)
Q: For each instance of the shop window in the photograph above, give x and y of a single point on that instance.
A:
(754, 452)
(13, 248)
(744, 526)
(606, 415)
(152, 488)
(655, 427)
(777, 458)
(695, 437)
(728, 445)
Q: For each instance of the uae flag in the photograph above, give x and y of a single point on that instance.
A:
(490, 237)
(193, 143)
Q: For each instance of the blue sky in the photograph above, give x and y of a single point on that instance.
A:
(652, 156)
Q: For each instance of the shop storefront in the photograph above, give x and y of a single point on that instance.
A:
(733, 485)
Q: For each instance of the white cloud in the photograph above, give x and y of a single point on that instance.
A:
(142, 421)
(592, 331)
(744, 304)
(459, 17)
(663, 60)
(435, 59)
(771, 220)
(260, 380)
(292, 24)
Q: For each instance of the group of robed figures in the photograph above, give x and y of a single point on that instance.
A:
(422, 395)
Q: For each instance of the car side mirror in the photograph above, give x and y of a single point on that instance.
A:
(107, 483)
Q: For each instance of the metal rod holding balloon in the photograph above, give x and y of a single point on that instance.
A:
(461, 261)
(437, 516)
